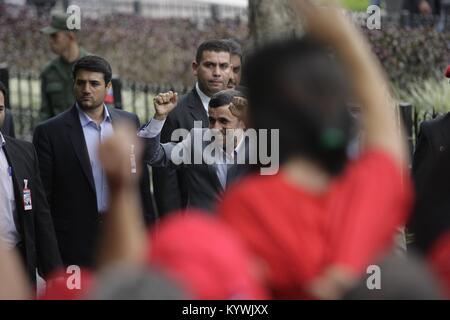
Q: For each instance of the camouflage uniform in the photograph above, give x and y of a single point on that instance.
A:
(57, 87)
(56, 77)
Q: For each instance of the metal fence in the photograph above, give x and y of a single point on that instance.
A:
(24, 98)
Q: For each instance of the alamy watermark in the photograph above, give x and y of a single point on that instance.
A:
(374, 17)
(73, 281)
(231, 146)
(73, 21)
(373, 281)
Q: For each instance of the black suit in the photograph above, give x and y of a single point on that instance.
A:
(69, 184)
(431, 173)
(38, 248)
(171, 188)
(433, 139)
(8, 125)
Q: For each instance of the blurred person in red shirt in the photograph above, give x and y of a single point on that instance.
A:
(319, 222)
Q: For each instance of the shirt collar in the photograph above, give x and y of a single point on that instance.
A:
(85, 119)
(203, 97)
(236, 150)
(2, 141)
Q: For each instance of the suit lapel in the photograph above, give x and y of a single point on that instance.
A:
(212, 169)
(14, 162)
(445, 134)
(238, 170)
(196, 108)
(114, 116)
(76, 136)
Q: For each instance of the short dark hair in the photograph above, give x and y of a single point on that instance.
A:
(235, 47)
(211, 45)
(298, 87)
(95, 64)
(3, 90)
(224, 97)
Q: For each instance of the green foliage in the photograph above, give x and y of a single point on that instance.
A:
(427, 94)
(356, 5)
(410, 55)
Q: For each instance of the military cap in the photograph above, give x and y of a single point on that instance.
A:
(58, 23)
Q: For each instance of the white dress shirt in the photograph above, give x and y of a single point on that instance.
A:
(8, 230)
(93, 136)
(203, 97)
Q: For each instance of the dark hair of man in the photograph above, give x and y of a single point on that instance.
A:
(224, 97)
(94, 64)
(235, 47)
(211, 45)
(297, 87)
(3, 90)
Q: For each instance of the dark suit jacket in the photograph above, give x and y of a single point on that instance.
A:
(39, 248)
(171, 191)
(431, 173)
(413, 6)
(69, 184)
(8, 125)
(433, 139)
(204, 189)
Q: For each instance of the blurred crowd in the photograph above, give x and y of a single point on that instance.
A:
(282, 174)
(140, 49)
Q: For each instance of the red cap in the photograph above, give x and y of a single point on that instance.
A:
(205, 256)
(439, 258)
(447, 72)
(67, 286)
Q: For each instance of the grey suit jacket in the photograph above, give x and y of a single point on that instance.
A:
(203, 184)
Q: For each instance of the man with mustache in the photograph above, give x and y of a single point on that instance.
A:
(208, 174)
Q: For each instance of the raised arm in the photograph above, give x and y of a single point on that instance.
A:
(330, 26)
(123, 238)
(156, 153)
(14, 284)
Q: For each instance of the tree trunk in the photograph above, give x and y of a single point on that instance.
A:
(271, 20)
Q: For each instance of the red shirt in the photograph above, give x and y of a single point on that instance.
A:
(439, 258)
(299, 233)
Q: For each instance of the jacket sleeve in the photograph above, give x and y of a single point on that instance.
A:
(48, 255)
(45, 112)
(148, 202)
(166, 181)
(45, 158)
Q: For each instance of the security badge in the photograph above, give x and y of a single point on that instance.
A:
(27, 205)
(133, 160)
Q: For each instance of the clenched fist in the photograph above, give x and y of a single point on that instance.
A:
(239, 107)
(164, 103)
(119, 155)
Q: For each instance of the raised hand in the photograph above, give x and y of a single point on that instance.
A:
(425, 8)
(118, 156)
(164, 103)
(325, 21)
(239, 107)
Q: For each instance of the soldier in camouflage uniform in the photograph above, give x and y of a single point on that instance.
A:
(56, 77)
